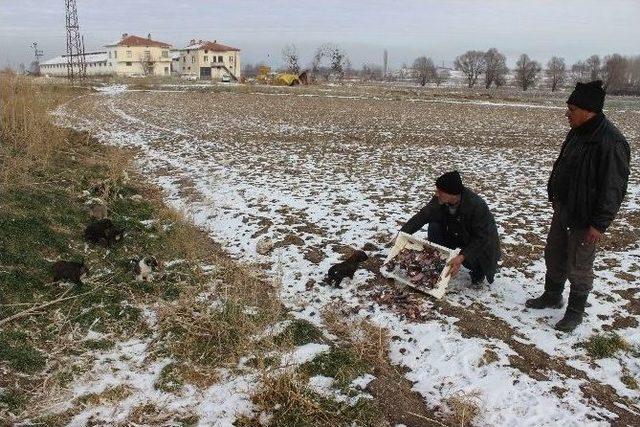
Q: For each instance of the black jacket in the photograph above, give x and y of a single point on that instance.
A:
(478, 233)
(589, 178)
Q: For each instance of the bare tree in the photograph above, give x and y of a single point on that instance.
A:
(579, 72)
(556, 72)
(472, 64)
(441, 76)
(335, 61)
(338, 58)
(349, 72)
(424, 70)
(615, 72)
(316, 63)
(371, 72)
(291, 59)
(634, 73)
(527, 71)
(496, 68)
(593, 67)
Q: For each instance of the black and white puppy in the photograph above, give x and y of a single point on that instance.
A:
(143, 268)
(103, 232)
(69, 271)
(346, 268)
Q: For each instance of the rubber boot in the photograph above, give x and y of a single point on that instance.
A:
(575, 310)
(551, 297)
(477, 279)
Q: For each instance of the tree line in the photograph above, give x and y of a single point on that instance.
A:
(620, 74)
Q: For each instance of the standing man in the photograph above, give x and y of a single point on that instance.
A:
(459, 218)
(586, 188)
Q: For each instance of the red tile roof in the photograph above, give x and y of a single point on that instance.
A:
(140, 41)
(212, 46)
(217, 47)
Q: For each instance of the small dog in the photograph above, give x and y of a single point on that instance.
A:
(98, 211)
(69, 271)
(143, 267)
(102, 232)
(346, 268)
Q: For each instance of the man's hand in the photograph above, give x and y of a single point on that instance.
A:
(454, 265)
(592, 236)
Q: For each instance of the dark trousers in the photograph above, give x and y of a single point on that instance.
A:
(567, 255)
(437, 234)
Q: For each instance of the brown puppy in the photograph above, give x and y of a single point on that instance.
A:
(102, 232)
(346, 268)
(69, 271)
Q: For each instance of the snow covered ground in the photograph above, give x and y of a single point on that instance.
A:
(324, 171)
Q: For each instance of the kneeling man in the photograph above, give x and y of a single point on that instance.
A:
(459, 218)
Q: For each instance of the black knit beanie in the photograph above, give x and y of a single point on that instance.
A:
(588, 96)
(450, 183)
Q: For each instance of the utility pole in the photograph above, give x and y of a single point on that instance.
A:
(38, 53)
(76, 63)
(385, 60)
(35, 66)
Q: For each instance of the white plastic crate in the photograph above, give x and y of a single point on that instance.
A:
(407, 241)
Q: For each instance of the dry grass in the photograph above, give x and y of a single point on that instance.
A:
(29, 138)
(213, 323)
(290, 402)
(369, 342)
(463, 406)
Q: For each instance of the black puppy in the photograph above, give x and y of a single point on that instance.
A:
(102, 232)
(69, 271)
(346, 268)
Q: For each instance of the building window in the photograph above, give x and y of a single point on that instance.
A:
(193, 59)
(184, 59)
(128, 54)
(165, 53)
(231, 59)
(189, 68)
(110, 64)
(206, 58)
(115, 54)
(147, 53)
(219, 58)
(206, 51)
(129, 64)
(109, 54)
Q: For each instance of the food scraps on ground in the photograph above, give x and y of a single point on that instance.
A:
(420, 267)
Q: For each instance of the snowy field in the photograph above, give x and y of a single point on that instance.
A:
(324, 170)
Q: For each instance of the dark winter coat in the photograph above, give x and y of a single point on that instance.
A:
(589, 178)
(474, 227)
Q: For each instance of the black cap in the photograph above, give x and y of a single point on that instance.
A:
(450, 183)
(588, 96)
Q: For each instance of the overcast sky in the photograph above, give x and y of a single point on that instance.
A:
(442, 29)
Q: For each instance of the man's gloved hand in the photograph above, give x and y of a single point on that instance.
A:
(454, 265)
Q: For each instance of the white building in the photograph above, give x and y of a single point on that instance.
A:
(97, 65)
(209, 61)
(139, 56)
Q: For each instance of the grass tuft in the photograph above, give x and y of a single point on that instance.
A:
(342, 364)
(463, 407)
(300, 332)
(602, 346)
(292, 403)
